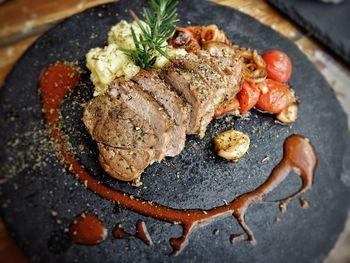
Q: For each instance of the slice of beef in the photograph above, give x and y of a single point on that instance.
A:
(126, 141)
(111, 122)
(214, 80)
(189, 86)
(227, 63)
(124, 164)
(197, 82)
(175, 106)
(148, 109)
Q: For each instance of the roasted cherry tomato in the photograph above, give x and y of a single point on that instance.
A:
(248, 96)
(278, 65)
(276, 97)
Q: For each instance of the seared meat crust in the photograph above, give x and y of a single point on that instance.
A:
(142, 120)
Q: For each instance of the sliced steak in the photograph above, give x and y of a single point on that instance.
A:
(214, 81)
(190, 78)
(111, 122)
(175, 106)
(227, 63)
(148, 109)
(124, 164)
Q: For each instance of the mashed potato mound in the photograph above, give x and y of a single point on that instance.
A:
(110, 62)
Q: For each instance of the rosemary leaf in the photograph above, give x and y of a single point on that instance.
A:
(157, 27)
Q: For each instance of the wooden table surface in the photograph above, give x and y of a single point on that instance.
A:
(23, 21)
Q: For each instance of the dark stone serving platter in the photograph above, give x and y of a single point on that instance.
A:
(40, 198)
(329, 23)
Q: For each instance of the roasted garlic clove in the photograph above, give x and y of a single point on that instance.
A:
(231, 145)
(288, 115)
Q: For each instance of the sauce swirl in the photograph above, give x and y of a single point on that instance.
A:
(299, 156)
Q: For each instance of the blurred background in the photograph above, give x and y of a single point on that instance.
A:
(319, 28)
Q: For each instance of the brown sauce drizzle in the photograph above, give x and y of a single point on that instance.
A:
(141, 233)
(87, 229)
(299, 156)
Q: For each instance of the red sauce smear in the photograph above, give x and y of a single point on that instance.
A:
(299, 156)
(87, 229)
(141, 233)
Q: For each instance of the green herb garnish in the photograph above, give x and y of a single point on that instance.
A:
(158, 27)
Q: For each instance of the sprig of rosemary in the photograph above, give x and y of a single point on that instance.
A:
(158, 27)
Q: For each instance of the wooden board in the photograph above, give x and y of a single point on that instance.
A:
(20, 18)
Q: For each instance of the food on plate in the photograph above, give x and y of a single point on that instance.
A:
(106, 64)
(147, 118)
(155, 83)
(258, 70)
(231, 145)
(157, 27)
(248, 96)
(193, 38)
(278, 65)
(229, 107)
(275, 98)
(112, 62)
(289, 114)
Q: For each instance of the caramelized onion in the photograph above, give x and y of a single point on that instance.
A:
(213, 33)
(258, 60)
(254, 66)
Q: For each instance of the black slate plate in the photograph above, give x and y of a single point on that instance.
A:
(38, 184)
(328, 23)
